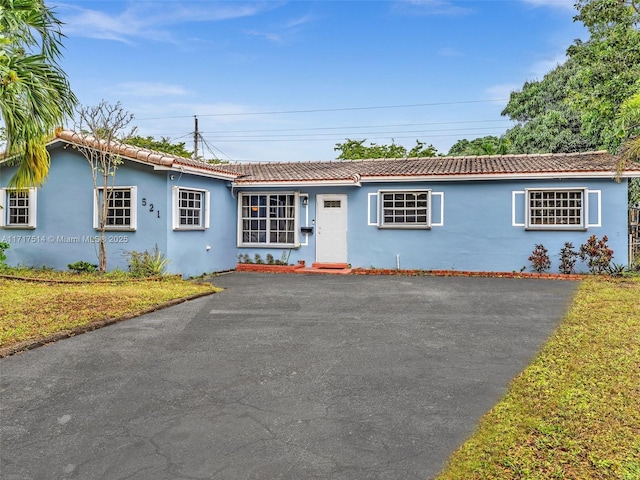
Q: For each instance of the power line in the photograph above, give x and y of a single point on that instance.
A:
(361, 126)
(320, 110)
(311, 129)
(369, 137)
(284, 136)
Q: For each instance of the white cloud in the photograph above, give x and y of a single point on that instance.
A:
(500, 93)
(152, 20)
(540, 68)
(429, 7)
(222, 113)
(95, 24)
(296, 22)
(563, 4)
(272, 37)
(147, 89)
(282, 33)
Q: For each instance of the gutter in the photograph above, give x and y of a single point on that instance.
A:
(355, 181)
(499, 176)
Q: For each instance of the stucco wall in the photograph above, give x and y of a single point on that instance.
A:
(194, 252)
(473, 223)
(65, 233)
(477, 231)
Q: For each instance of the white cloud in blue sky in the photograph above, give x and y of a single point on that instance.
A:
(431, 7)
(150, 20)
(563, 4)
(147, 89)
(440, 68)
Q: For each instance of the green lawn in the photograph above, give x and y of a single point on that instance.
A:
(574, 413)
(33, 310)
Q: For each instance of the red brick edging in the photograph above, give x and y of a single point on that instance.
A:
(462, 273)
(264, 268)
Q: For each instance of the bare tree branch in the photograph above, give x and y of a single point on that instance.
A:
(103, 130)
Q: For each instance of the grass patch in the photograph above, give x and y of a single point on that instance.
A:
(574, 412)
(35, 310)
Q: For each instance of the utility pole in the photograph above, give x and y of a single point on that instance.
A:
(195, 138)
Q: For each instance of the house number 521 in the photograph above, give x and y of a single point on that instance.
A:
(151, 209)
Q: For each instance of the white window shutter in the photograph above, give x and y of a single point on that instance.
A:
(175, 211)
(3, 207)
(33, 207)
(518, 208)
(134, 208)
(206, 213)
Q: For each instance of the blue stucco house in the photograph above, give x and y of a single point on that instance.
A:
(437, 213)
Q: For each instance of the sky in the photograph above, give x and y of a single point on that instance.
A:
(286, 80)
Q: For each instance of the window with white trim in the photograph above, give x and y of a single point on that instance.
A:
(190, 209)
(405, 209)
(121, 208)
(556, 208)
(18, 208)
(268, 219)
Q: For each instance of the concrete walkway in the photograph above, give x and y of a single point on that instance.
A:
(277, 377)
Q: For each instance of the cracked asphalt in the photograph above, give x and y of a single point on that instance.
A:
(277, 377)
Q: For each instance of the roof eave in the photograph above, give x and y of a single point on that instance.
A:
(178, 168)
(167, 165)
(494, 176)
(299, 183)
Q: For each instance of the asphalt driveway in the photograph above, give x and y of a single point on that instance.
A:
(278, 377)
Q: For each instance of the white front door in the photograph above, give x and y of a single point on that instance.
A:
(331, 228)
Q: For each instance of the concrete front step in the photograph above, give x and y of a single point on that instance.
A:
(330, 266)
(324, 271)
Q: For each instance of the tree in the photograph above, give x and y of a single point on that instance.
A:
(546, 122)
(629, 123)
(609, 63)
(422, 150)
(163, 145)
(573, 108)
(489, 145)
(356, 150)
(104, 130)
(35, 95)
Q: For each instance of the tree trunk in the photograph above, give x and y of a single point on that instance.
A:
(102, 253)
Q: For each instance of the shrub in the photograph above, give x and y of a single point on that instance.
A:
(145, 264)
(3, 246)
(82, 267)
(616, 270)
(284, 259)
(568, 258)
(597, 254)
(539, 259)
(244, 258)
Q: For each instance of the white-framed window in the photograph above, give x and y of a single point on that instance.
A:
(121, 208)
(553, 208)
(268, 219)
(190, 209)
(404, 208)
(18, 208)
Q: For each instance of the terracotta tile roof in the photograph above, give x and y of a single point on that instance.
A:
(598, 163)
(295, 171)
(485, 166)
(144, 155)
